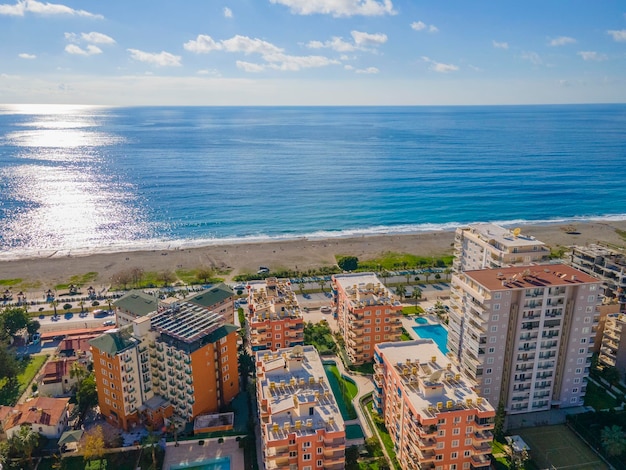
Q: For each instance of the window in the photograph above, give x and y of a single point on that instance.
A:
(496, 307)
(573, 400)
(320, 463)
(441, 433)
(494, 328)
(277, 336)
(306, 457)
(457, 419)
(226, 378)
(320, 450)
(583, 340)
(224, 359)
(487, 381)
(580, 360)
(456, 431)
(581, 351)
(306, 444)
(488, 370)
(468, 442)
(574, 390)
(579, 370)
(493, 339)
(587, 320)
(454, 455)
(292, 442)
(293, 453)
(495, 317)
(577, 380)
(367, 330)
(467, 453)
(469, 429)
(589, 309)
(497, 295)
(455, 443)
(440, 445)
(490, 360)
(591, 298)
(487, 391)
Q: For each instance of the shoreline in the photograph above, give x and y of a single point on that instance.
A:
(300, 254)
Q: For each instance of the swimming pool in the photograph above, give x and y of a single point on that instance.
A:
(421, 321)
(435, 332)
(223, 463)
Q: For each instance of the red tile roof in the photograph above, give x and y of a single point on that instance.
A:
(42, 410)
(54, 371)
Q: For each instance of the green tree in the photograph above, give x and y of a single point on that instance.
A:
(613, 440)
(86, 394)
(400, 291)
(8, 365)
(611, 375)
(81, 304)
(416, 295)
(25, 442)
(348, 263)
(13, 319)
(408, 278)
(150, 441)
(498, 424)
(204, 273)
(167, 277)
(93, 445)
(33, 327)
(78, 372)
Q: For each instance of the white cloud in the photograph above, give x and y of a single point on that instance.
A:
(339, 7)
(208, 72)
(592, 55)
(336, 43)
(361, 42)
(228, 13)
(77, 50)
(500, 45)
(24, 55)
(562, 41)
(439, 66)
(421, 26)
(367, 39)
(250, 67)
(97, 38)
(203, 44)
(532, 57)
(292, 63)
(619, 36)
(368, 70)
(249, 45)
(40, 8)
(161, 59)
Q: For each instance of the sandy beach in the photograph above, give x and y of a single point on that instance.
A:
(300, 254)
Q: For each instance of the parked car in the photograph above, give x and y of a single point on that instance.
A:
(55, 317)
(108, 323)
(325, 309)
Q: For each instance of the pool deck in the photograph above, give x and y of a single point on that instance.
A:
(192, 453)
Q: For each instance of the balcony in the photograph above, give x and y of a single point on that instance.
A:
(482, 449)
(484, 436)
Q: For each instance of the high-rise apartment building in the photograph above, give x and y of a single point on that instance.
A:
(434, 418)
(613, 345)
(274, 316)
(480, 246)
(367, 314)
(525, 334)
(182, 360)
(606, 264)
(301, 426)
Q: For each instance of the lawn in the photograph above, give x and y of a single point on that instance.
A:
(344, 391)
(11, 392)
(598, 398)
(560, 447)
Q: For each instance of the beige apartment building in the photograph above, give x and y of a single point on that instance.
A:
(606, 264)
(613, 345)
(525, 334)
(435, 420)
(274, 316)
(301, 427)
(367, 314)
(480, 246)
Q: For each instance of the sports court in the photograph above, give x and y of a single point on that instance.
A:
(557, 447)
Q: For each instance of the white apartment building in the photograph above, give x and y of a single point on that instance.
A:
(606, 264)
(480, 246)
(525, 334)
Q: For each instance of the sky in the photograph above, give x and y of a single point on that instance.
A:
(312, 52)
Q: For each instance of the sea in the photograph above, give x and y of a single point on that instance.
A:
(82, 179)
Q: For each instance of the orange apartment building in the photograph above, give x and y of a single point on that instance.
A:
(194, 359)
(274, 316)
(181, 360)
(367, 314)
(301, 426)
(435, 419)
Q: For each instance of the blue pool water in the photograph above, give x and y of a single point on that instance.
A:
(435, 332)
(421, 320)
(222, 463)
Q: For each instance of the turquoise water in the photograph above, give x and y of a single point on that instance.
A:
(354, 431)
(111, 179)
(223, 463)
(435, 332)
(421, 321)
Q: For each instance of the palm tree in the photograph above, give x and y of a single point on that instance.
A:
(416, 295)
(322, 283)
(448, 273)
(25, 441)
(613, 440)
(81, 304)
(400, 291)
(54, 304)
(408, 278)
(385, 276)
(150, 441)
